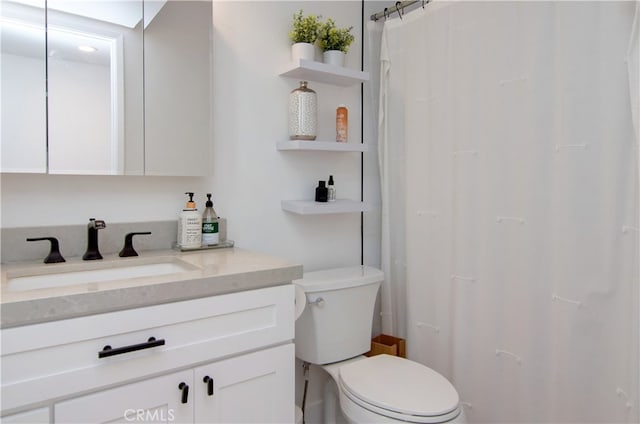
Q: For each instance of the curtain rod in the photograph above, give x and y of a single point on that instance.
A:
(399, 6)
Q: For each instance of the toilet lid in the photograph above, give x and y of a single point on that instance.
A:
(399, 385)
(339, 278)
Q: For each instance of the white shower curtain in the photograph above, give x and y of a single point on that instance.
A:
(509, 169)
(390, 158)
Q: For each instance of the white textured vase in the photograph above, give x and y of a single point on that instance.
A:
(303, 51)
(333, 57)
(303, 113)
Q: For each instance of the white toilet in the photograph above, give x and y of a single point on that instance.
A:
(334, 331)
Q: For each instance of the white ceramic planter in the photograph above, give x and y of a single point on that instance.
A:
(303, 51)
(333, 57)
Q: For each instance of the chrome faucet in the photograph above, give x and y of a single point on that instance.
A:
(93, 252)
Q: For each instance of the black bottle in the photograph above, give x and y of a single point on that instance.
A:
(322, 193)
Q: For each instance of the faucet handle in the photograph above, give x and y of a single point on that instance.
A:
(128, 249)
(98, 224)
(54, 255)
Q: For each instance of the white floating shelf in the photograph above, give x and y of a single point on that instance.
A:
(310, 70)
(309, 207)
(329, 146)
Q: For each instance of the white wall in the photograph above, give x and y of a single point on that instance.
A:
(250, 116)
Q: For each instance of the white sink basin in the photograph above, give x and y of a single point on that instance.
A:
(111, 271)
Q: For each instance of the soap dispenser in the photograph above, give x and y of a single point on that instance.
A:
(190, 226)
(210, 235)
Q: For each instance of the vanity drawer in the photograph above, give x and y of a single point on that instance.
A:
(49, 361)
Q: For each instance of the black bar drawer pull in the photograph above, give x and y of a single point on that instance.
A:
(109, 351)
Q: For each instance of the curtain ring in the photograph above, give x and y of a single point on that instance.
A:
(423, 3)
(399, 9)
(386, 13)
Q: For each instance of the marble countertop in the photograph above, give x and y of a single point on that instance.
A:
(209, 273)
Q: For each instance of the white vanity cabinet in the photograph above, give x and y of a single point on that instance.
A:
(251, 388)
(242, 341)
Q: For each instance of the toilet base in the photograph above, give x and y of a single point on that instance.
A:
(298, 415)
(332, 412)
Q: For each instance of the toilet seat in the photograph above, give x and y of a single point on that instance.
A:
(400, 389)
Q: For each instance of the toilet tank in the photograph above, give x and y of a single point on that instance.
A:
(336, 322)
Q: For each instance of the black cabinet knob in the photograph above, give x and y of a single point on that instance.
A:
(184, 387)
(209, 382)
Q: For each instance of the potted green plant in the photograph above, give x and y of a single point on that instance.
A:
(304, 34)
(334, 42)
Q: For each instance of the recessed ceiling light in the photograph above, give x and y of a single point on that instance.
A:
(87, 49)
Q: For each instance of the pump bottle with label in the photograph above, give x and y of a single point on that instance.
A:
(210, 235)
(190, 226)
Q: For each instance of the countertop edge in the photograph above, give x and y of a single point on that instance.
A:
(14, 314)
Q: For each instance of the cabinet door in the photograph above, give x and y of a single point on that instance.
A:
(36, 416)
(154, 400)
(253, 388)
(177, 88)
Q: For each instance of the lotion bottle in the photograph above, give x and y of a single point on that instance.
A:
(190, 226)
(210, 228)
(342, 124)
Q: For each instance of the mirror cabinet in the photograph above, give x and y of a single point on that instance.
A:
(23, 87)
(128, 83)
